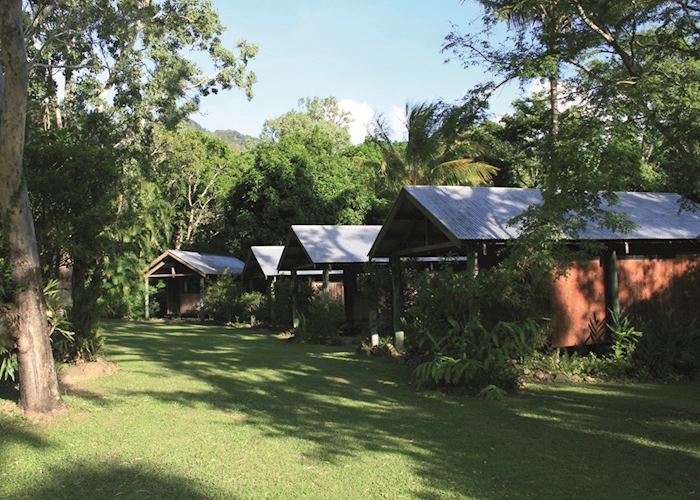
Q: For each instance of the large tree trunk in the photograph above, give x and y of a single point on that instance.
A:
(39, 392)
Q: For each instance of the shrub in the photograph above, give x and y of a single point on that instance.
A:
(249, 304)
(60, 332)
(441, 298)
(225, 301)
(466, 330)
(670, 347)
(322, 322)
(220, 299)
(476, 356)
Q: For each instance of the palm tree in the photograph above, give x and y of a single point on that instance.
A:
(434, 152)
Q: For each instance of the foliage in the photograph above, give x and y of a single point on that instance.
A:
(670, 347)
(495, 294)
(320, 116)
(322, 322)
(618, 363)
(471, 330)
(479, 356)
(225, 300)
(72, 218)
(435, 151)
(300, 178)
(220, 298)
(250, 303)
(193, 170)
(60, 327)
(624, 336)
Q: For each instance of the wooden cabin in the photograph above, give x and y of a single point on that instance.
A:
(185, 275)
(656, 261)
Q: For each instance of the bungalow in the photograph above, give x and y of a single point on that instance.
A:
(185, 275)
(330, 248)
(660, 249)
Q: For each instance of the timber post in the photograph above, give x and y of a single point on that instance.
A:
(326, 282)
(295, 311)
(611, 285)
(472, 272)
(201, 298)
(273, 281)
(147, 312)
(349, 293)
(397, 301)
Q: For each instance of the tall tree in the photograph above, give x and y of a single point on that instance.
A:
(128, 59)
(436, 150)
(39, 392)
(194, 169)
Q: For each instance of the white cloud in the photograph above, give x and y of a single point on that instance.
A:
(396, 118)
(362, 116)
(568, 98)
(535, 87)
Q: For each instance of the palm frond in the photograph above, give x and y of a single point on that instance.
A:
(463, 171)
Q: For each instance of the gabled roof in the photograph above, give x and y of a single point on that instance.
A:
(335, 245)
(483, 215)
(268, 257)
(203, 264)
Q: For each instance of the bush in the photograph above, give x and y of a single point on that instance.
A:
(670, 347)
(617, 363)
(477, 357)
(225, 301)
(250, 305)
(440, 299)
(461, 329)
(322, 322)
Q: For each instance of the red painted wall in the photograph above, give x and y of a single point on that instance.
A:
(579, 296)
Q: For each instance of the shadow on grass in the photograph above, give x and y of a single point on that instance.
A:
(637, 440)
(110, 479)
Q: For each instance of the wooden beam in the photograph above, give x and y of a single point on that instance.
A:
(429, 249)
(472, 272)
(201, 299)
(175, 275)
(273, 282)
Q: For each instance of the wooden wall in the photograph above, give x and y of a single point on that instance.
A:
(645, 285)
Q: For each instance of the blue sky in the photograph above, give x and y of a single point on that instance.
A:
(374, 56)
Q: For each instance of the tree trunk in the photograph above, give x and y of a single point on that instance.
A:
(38, 385)
(554, 106)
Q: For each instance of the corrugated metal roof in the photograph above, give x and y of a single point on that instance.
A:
(268, 258)
(329, 244)
(484, 213)
(208, 263)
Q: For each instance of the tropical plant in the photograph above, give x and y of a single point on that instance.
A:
(479, 356)
(322, 322)
(435, 151)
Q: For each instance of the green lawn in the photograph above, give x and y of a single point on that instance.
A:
(213, 412)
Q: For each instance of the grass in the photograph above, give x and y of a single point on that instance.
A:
(208, 412)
